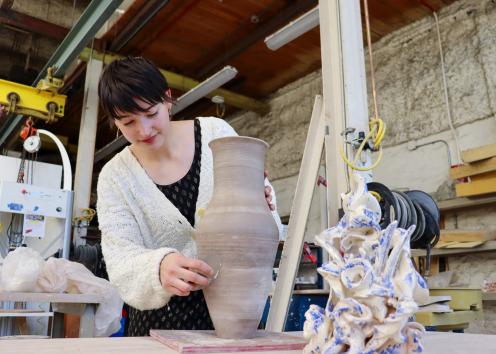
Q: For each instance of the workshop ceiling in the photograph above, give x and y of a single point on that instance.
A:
(196, 38)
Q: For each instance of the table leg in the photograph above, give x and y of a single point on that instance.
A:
(58, 325)
(87, 322)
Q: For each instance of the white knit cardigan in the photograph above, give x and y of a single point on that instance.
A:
(140, 226)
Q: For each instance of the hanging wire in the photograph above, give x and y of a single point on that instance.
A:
(371, 58)
(220, 110)
(446, 97)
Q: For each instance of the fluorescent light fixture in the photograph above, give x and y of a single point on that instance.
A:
(204, 88)
(294, 29)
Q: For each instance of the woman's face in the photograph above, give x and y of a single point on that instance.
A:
(145, 129)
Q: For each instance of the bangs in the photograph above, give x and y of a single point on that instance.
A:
(127, 81)
(125, 97)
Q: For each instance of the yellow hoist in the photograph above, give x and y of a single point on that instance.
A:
(41, 101)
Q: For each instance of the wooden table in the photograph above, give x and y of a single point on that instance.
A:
(81, 304)
(434, 343)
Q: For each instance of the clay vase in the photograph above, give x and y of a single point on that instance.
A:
(238, 234)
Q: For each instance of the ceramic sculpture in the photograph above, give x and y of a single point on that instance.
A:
(374, 288)
(238, 232)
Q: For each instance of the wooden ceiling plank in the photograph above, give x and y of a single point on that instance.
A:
(146, 12)
(144, 40)
(215, 60)
(435, 5)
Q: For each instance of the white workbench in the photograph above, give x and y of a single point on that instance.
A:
(434, 343)
(82, 304)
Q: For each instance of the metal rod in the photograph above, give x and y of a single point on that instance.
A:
(68, 225)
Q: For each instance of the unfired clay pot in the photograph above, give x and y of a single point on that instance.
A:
(238, 231)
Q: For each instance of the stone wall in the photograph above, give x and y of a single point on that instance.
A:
(411, 102)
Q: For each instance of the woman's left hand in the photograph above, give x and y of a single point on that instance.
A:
(268, 196)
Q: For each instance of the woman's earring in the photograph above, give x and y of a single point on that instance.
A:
(117, 134)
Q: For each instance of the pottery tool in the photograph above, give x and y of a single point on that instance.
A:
(208, 342)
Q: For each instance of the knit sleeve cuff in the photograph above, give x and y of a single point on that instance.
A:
(159, 255)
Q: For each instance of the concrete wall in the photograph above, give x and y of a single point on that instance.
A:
(411, 102)
(61, 12)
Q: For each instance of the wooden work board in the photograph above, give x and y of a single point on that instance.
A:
(208, 342)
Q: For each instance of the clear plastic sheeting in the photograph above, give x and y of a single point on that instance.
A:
(20, 270)
(58, 275)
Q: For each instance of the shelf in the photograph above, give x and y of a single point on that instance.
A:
(464, 202)
(51, 297)
(485, 247)
(13, 313)
(308, 292)
(311, 292)
(488, 296)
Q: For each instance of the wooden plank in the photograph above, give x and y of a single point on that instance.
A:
(457, 244)
(434, 266)
(485, 247)
(208, 342)
(308, 292)
(291, 253)
(463, 299)
(479, 153)
(86, 148)
(488, 296)
(467, 235)
(483, 176)
(448, 318)
(463, 202)
(475, 168)
(484, 186)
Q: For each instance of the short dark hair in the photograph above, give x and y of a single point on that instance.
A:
(129, 79)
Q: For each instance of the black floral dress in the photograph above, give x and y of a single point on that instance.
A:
(181, 312)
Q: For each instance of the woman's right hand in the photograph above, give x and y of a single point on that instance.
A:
(180, 275)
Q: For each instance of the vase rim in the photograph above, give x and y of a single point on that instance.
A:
(245, 138)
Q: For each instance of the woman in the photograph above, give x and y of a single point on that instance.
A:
(148, 195)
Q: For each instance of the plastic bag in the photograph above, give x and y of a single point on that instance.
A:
(20, 270)
(79, 280)
(52, 279)
(25, 270)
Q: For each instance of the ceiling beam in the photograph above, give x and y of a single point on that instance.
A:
(175, 12)
(32, 24)
(433, 5)
(87, 26)
(184, 84)
(96, 13)
(139, 20)
(213, 60)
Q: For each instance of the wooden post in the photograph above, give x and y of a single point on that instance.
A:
(291, 253)
(344, 106)
(86, 145)
(344, 89)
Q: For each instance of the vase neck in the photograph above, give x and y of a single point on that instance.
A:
(239, 166)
